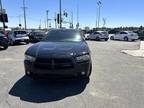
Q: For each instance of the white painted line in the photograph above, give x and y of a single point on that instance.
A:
(10, 59)
(137, 53)
(142, 45)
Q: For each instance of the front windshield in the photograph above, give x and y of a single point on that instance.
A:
(64, 36)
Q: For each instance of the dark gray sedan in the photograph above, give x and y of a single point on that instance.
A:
(62, 54)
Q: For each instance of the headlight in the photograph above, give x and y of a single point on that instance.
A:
(83, 58)
(29, 58)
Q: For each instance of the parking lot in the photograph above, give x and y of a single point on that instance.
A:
(117, 81)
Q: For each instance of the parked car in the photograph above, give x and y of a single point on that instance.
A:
(125, 35)
(18, 36)
(99, 35)
(141, 35)
(36, 36)
(3, 41)
(63, 54)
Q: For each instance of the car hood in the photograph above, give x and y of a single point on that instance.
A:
(58, 49)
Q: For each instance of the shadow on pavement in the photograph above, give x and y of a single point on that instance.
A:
(1, 49)
(41, 91)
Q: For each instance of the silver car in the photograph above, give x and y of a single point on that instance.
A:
(18, 36)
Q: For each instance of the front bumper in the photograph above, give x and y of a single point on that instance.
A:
(78, 70)
(22, 40)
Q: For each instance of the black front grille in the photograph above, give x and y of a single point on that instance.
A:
(53, 63)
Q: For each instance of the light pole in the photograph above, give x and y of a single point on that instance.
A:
(77, 25)
(55, 20)
(1, 8)
(24, 9)
(71, 19)
(60, 11)
(47, 13)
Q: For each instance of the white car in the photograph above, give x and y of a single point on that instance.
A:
(125, 35)
(18, 36)
(99, 35)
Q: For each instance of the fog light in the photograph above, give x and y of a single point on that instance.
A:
(83, 73)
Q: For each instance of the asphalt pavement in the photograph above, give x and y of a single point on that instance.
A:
(117, 81)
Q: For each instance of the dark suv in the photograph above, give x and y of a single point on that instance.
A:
(63, 53)
(3, 41)
(36, 36)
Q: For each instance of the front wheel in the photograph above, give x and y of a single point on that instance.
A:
(5, 47)
(125, 38)
(97, 39)
(106, 39)
(27, 42)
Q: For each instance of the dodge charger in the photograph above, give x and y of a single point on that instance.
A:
(62, 54)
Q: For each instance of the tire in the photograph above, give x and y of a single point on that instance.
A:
(90, 71)
(5, 47)
(125, 38)
(27, 42)
(111, 38)
(106, 39)
(97, 39)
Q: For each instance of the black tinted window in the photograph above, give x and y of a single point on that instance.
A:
(123, 33)
(96, 33)
(64, 36)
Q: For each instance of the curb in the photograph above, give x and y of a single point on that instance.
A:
(136, 53)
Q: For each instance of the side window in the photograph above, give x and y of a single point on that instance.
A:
(96, 33)
(123, 33)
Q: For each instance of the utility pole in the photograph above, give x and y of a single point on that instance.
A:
(45, 23)
(55, 20)
(99, 3)
(71, 19)
(24, 9)
(104, 22)
(60, 11)
(1, 9)
(47, 14)
(20, 21)
(40, 24)
(77, 25)
(96, 15)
